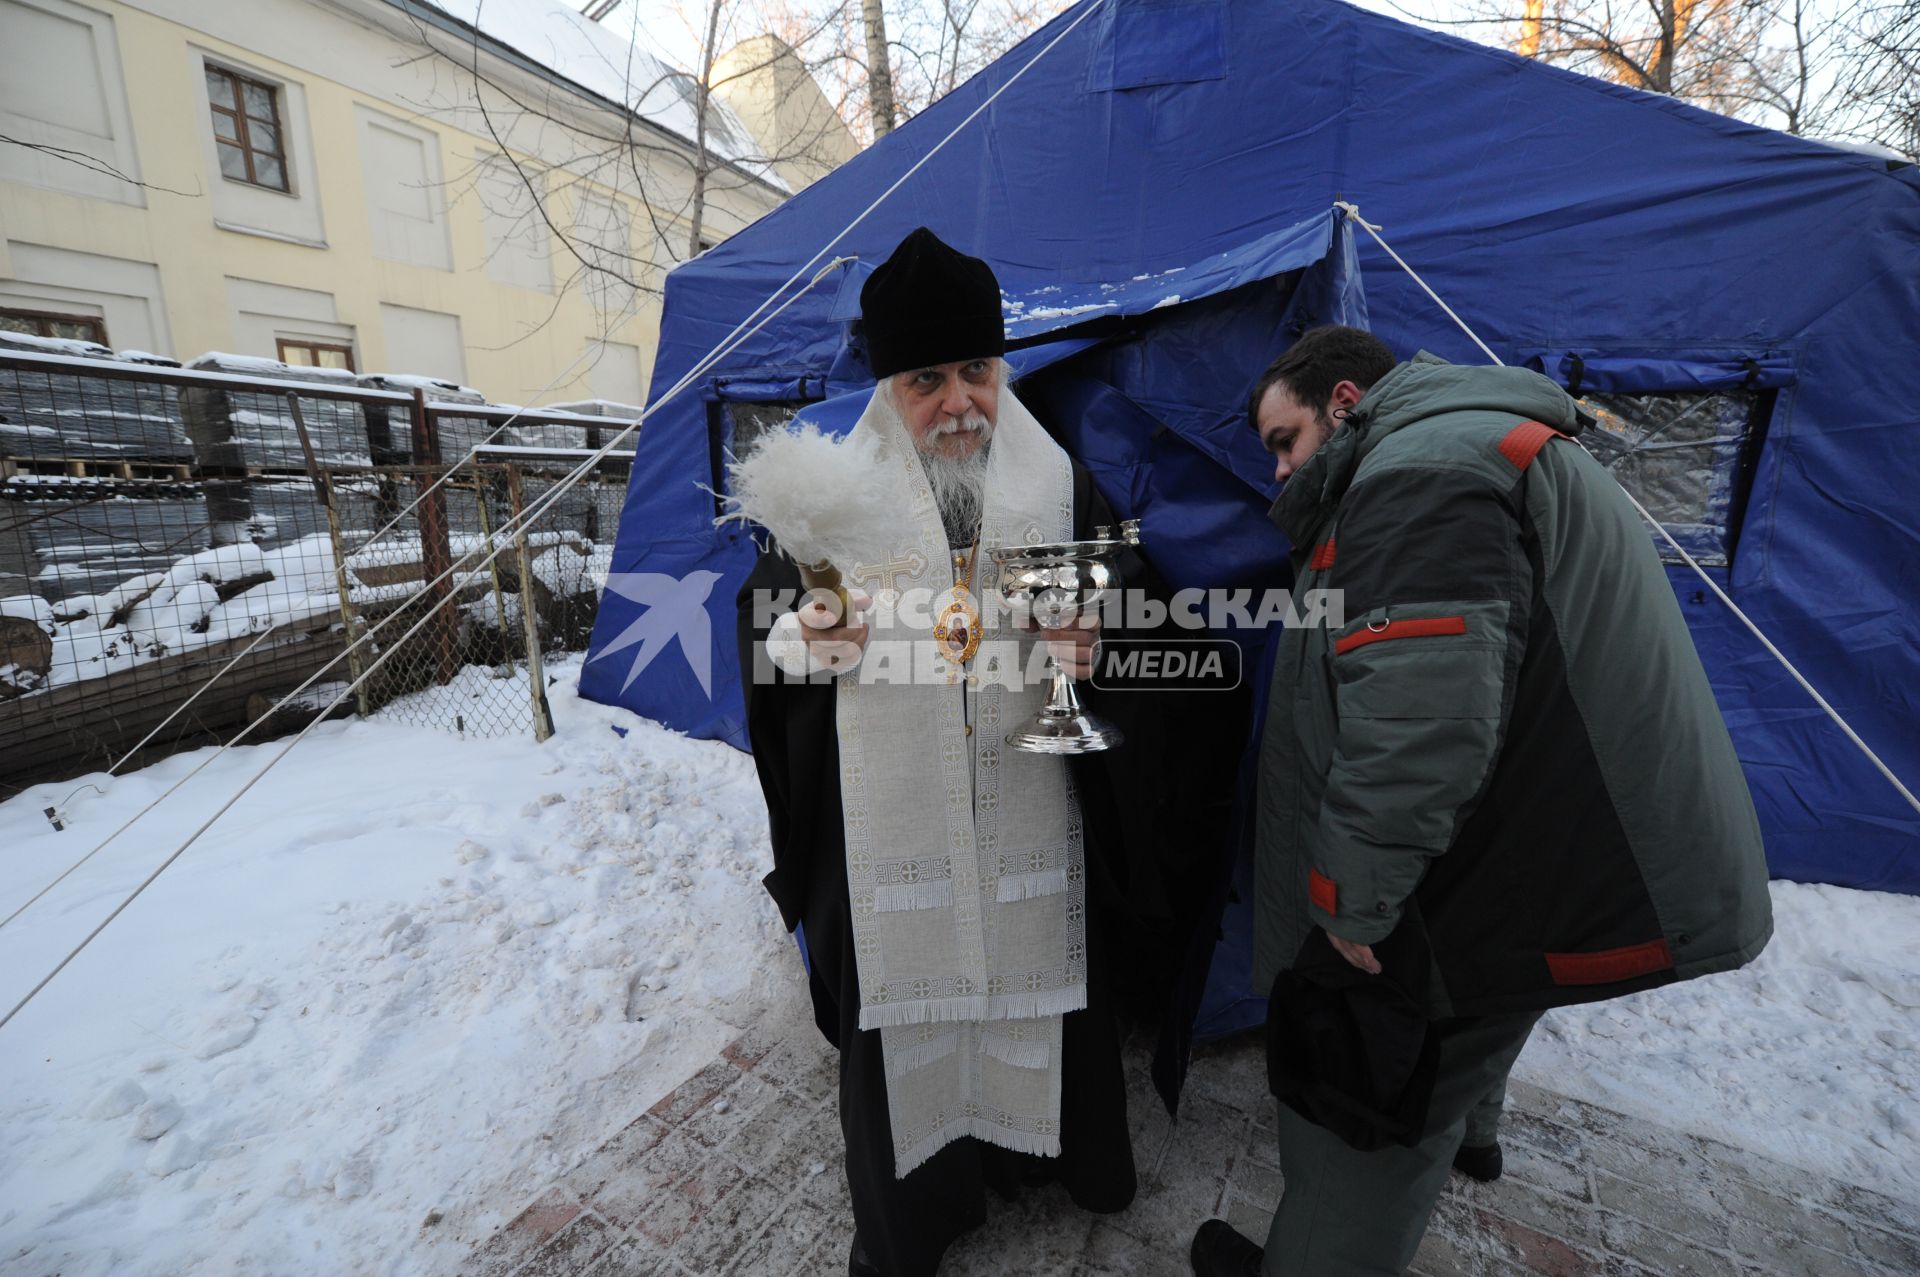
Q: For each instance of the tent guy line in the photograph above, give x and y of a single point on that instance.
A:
(1353, 212)
(747, 328)
(532, 512)
(53, 813)
(626, 313)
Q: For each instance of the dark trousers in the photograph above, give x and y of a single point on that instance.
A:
(1351, 1214)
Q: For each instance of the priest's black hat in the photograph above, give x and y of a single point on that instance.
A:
(930, 304)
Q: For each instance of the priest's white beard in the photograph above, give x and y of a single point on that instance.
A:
(960, 483)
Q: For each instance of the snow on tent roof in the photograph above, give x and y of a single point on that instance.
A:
(589, 55)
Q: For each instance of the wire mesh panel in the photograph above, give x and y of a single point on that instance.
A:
(180, 549)
(445, 648)
(161, 580)
(569, 577)
(574, 531)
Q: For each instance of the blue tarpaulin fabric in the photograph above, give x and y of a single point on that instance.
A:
(1660, 247)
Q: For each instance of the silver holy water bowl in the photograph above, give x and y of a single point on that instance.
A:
(1053, 584)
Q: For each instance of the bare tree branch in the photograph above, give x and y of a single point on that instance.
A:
(93, 164)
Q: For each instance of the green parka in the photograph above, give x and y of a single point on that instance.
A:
(1511, 733)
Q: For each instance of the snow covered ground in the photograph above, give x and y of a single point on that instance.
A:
(410, 975)
(406, 974)
(1810, 1055)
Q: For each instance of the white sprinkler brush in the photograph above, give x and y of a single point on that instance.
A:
(829, 500)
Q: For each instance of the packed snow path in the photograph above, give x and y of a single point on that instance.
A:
(411, 981)
(735, 1173)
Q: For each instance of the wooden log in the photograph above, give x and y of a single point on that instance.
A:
(80, 727)
(24, 643)
(26, 654)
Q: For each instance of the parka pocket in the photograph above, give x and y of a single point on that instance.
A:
(1423, 660)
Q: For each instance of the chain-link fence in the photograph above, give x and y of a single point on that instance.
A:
(158, 526)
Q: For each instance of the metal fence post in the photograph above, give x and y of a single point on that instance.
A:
(324, 481)
(529, 615)
(480, 486)
(436, 555)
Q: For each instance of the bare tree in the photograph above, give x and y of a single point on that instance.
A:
(589, 147)
(1879, 77)
(1790, 79)
(932, 47)
(1760, 59)
(873, 21)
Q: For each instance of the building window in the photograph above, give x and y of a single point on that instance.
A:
(314, 354)
(43, 323)
(246, 129)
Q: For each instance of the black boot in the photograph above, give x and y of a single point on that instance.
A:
(1482, 1163)
(1220, 1251)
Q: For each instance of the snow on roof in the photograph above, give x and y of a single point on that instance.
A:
(557, 37)
(72, 346)
(437, 387)
(258, 366)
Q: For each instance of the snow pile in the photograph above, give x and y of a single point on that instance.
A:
(273, 369)
(438, 388)
(202, 599)
(234, 591)
(1809, 1055)
(80, 348)
(359, 999)
(29, 607)
(70, 347)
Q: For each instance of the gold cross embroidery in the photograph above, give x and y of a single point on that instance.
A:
(900, 563)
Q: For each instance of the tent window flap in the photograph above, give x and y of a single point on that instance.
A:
(1680, 429)
(1685, 457)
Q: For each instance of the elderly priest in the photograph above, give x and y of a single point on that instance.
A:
(948, 887)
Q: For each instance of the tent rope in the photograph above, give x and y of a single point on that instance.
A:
(626, 312)
(759, 318)
(534, 511)
(1353, 212)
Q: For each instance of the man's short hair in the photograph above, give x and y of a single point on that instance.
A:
(1320, 360)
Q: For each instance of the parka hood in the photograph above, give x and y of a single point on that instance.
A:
(1424, 387)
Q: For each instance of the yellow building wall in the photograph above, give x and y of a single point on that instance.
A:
(159, 59)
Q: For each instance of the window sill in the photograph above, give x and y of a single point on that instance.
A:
(263, 233)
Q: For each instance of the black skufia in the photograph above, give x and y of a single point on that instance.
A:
(1352, 1052)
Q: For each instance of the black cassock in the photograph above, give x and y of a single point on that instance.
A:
(1133, 810)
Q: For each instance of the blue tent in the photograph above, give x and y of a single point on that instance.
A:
(1156, 195)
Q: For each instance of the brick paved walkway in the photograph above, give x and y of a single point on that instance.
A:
(737, 1172)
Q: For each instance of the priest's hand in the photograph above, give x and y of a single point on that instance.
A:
(1074, 644)
(833, 642)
